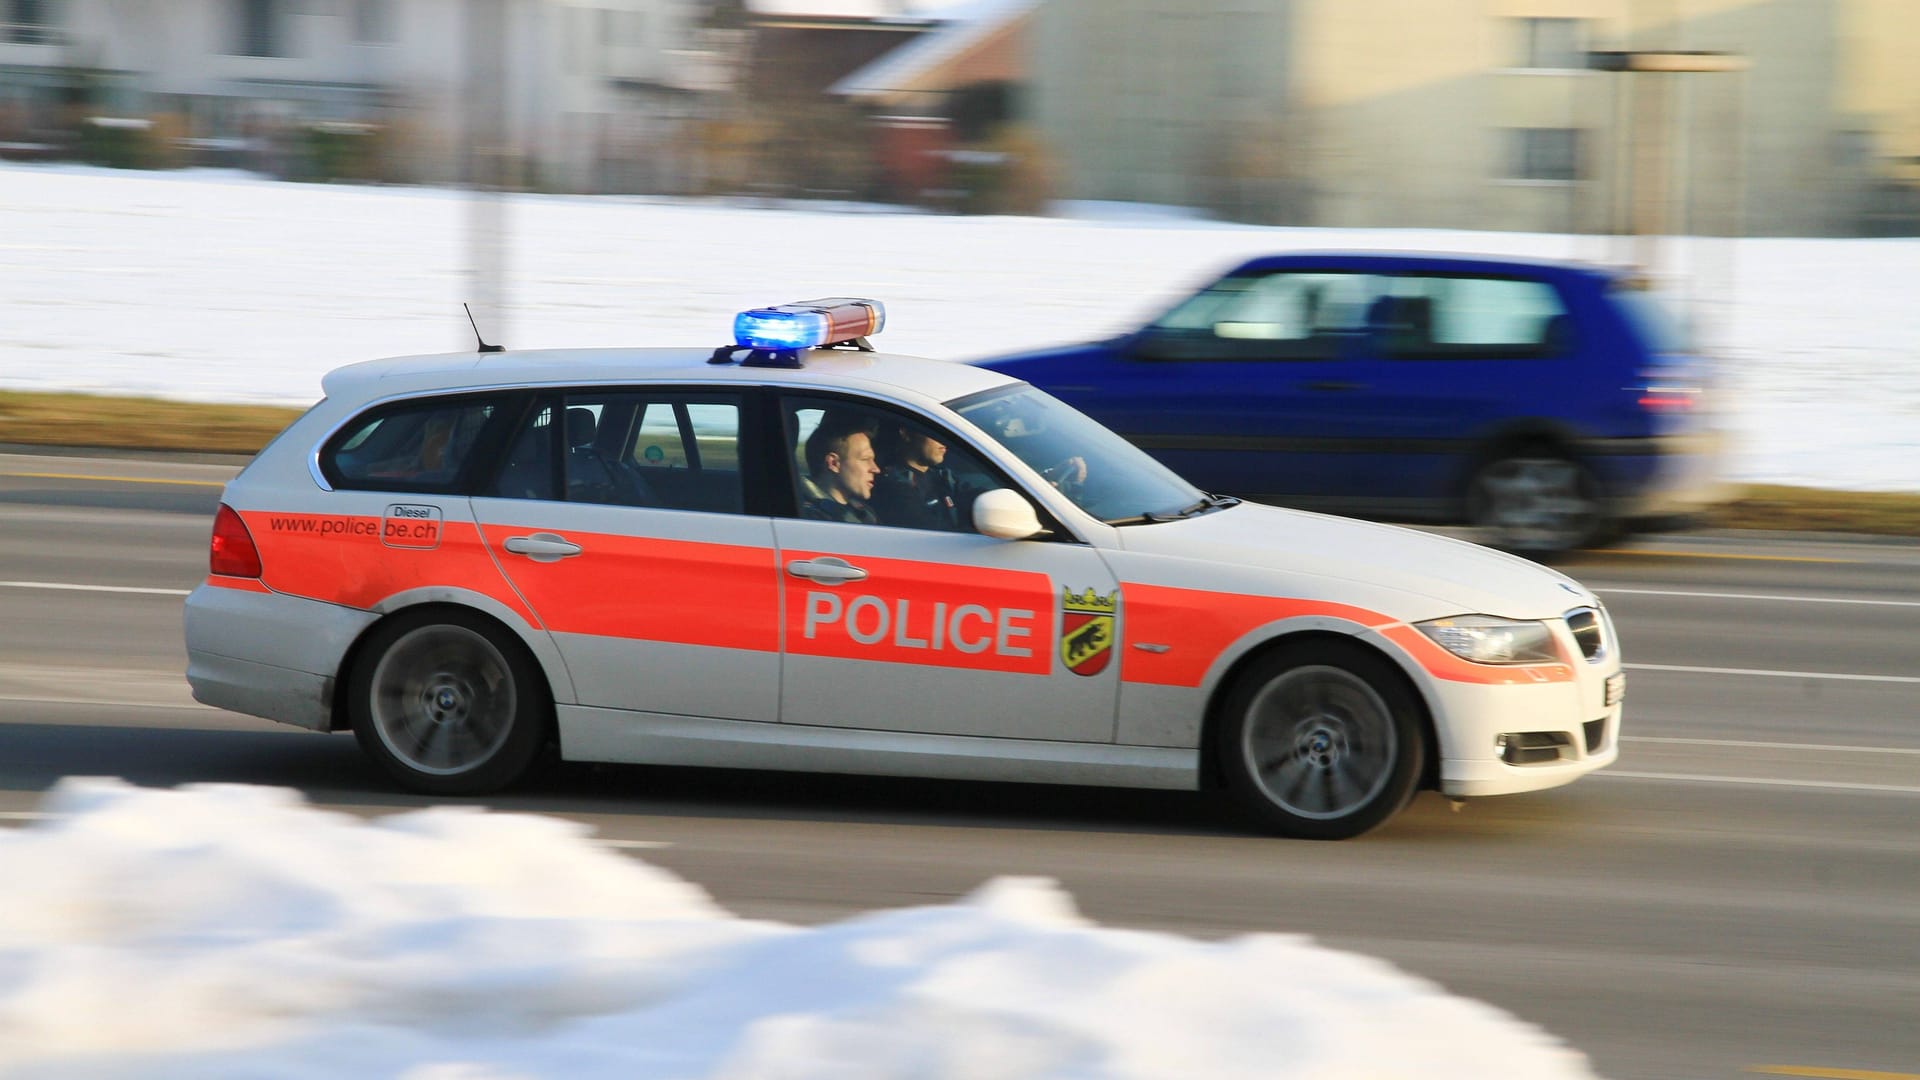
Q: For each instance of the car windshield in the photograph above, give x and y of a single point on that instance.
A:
(1102, 473)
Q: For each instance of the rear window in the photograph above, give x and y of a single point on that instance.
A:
(417, 446)
(1655, 317)
(1458, 317)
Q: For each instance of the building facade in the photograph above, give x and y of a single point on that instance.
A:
(572, 94)
(1487, 113)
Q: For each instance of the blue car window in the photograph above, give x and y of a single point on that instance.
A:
(1447, 317)
(1286, 315)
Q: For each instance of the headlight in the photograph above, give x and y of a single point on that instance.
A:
(1484, 639)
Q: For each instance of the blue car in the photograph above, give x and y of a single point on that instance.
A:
(1554, 405)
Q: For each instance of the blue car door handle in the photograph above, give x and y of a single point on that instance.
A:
(1334, 386)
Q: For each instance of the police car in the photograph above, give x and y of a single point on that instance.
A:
(794, 552)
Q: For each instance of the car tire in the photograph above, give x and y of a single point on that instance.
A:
(1321, 740)
(1536, 501)
(449, 703)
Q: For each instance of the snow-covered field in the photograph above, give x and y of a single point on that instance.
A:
(219, 286)
(231, 931)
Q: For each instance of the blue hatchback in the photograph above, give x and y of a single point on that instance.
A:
(1552, 404)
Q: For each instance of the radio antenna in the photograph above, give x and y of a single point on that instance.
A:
(484, 347)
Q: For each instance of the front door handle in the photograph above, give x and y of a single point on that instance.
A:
(542, 547)
(826, 570)
(1335, 386)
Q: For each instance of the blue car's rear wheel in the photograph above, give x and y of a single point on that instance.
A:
(1536, 501)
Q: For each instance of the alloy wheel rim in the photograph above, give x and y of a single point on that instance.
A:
(442, 700)
(1320, 741)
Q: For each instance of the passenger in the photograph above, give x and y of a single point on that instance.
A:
(841, 464)
(916, 489)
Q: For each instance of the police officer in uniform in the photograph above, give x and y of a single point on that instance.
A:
(916, 489)
(842, 468)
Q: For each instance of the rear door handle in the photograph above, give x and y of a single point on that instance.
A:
(1334, 385)
(826, 570)
(542, 547)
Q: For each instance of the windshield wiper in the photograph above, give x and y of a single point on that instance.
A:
(1151, 517)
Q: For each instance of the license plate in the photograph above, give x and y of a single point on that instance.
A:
(1616, 687)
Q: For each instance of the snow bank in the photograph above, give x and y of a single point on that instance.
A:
(233, 931)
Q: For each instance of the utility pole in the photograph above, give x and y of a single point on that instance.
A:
(485, 162)
(1645, 135)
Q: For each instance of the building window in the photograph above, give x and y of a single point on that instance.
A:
(1552, 44)
(30, 22)
(1543, 154)
(373, 22)
(259, 28)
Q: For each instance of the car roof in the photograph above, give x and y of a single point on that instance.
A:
(941, 380)
(1461, 262)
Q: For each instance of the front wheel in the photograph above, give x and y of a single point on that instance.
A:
(1536, 502)
(1321, 741)
(448, 703)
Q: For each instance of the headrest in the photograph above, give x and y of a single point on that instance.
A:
(579, 426)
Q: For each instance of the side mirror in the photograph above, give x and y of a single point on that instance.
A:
(1005, 514)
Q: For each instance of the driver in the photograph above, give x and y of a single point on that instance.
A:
(916, 488)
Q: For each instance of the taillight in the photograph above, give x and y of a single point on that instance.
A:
(1657, 398)
(232, 553)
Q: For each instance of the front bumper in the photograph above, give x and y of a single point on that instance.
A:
(267, 654)
(1501, 740)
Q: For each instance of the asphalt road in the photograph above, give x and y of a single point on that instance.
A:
(1739, 896)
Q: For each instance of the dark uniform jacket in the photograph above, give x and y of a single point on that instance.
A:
(827, 508)
(912, 499)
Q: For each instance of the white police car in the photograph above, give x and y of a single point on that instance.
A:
(796, 553)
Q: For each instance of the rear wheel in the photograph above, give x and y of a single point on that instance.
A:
(1321, 740)
(448, 703)
(1536, 501)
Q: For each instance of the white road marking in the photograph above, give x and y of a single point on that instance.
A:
(1764, 596)
(69, 587)
(634, 845)
(1759, 781)
(1775, 674)
(1744, 745)
(105, 703)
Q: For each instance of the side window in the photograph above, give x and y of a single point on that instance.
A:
(414, 446)
(1446, 318)
(528, 469)
(1288, 315)
(664, 450)
(875, 466)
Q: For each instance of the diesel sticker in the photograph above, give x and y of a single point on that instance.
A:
(411, 525)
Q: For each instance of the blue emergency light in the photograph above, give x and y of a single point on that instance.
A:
(809, 324)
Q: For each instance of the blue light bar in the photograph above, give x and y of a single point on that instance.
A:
(809, 324)
(772, 328)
